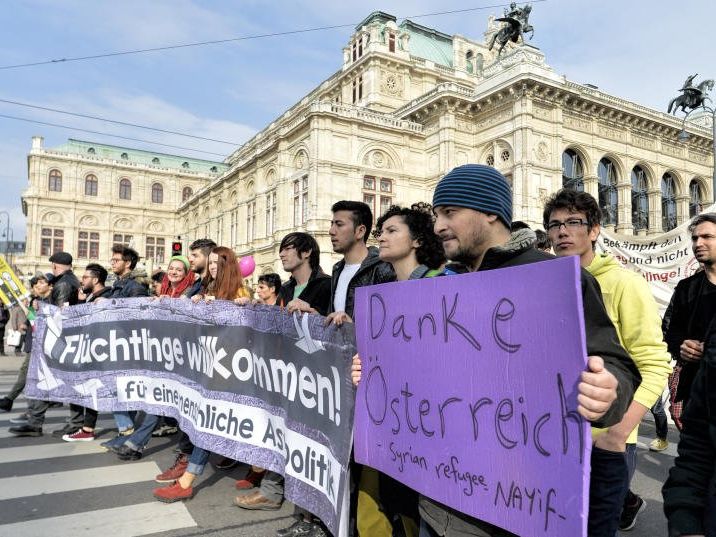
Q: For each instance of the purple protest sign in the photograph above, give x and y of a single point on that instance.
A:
(469, 393)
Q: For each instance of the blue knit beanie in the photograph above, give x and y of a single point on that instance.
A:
(478, 187)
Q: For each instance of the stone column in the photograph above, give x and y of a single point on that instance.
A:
(624, 223)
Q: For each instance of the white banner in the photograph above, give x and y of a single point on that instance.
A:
(663, 260)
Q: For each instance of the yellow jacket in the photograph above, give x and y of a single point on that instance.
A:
(634, 312)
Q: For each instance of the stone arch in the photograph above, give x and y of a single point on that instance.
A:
(649, 171)
(122, 223)
(155, 227)
(300, 158)
(52, 217)
(87, 220)
(618, 165)
(583, 154)
(504, 153)
(271, 177)
(681, 187)
(383, 156)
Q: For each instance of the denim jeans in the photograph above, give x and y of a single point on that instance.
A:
(662, 425)
(608, 488)
(139, 439)
(197, 461)
(124, 419)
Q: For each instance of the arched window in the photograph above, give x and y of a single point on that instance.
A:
(91, 151)
(572, 171)
(639, 199)
(607, 175)
(125, 189)
(155, 160)
(668, 202)
(186, 193)
(91, 185)
(157, 193)
(468, 62)
(695, 198)
(55, 181)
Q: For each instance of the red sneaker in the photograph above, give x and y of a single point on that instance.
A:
(79, 436)
(175, 471)
(173, 493)
(252, 479)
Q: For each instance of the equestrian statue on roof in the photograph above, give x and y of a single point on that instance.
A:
(516, 25)
(692, 97)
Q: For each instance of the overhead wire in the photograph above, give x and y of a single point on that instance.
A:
(236, 39)
(37, 122)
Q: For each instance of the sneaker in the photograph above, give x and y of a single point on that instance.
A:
(67, 429)
(658, 444)
(257, 501)
(165, 430)
(6, 404)
(79, 436)
(173, 493)
(22, 419)
(298, 528)
(126, 453)
(252, 479)
(175, 471)
(629, 514)
(26, 430)
(115, 443)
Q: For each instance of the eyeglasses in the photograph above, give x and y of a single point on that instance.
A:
(572, 223)
(113, 261)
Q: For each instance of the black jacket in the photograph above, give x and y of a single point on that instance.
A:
(683, 325)
(601, 339)
(686, 491)
(317, 291)
(132, 285)
(104, 293)
(371, 272)
(64, 289)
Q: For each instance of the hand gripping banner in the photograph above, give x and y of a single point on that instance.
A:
(250, 383)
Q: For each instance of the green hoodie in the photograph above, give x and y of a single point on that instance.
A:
(633, 310)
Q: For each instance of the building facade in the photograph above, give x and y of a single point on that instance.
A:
(84, 197)
(407, 105)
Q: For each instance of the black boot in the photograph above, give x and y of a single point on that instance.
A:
(26, 430)
(6, 404)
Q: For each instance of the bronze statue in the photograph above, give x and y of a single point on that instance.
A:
(693, 96)
(516, 26)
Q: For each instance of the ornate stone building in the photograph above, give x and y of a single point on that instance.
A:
(408, 104)
(83, 197)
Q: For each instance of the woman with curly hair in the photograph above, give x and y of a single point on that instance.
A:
(407, 241)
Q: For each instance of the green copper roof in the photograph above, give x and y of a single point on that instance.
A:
(139, 156)
(380, 16)
(429, 43)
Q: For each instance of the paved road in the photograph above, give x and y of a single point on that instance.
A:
(50, 487)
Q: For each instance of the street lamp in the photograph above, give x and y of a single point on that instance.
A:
(7, 231)
(684, 137)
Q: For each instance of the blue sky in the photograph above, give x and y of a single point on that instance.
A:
(635, 50)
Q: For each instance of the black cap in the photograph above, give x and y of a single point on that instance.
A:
(61, 258)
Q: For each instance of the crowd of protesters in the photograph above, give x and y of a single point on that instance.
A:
(467, 228)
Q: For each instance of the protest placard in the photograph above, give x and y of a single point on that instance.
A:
(250, 383)
(12, 290)
(469, 393)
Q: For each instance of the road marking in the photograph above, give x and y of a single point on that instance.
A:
(128, 521)
(86, 478)
(49, 451)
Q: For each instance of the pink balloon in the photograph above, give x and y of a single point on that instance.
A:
(247, 265)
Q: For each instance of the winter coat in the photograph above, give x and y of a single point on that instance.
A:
(601, 340)
(683, 324)
(690, 486)
(371, 272)
(134, 284)
(317, 292)
(64, 289)
(633, 310)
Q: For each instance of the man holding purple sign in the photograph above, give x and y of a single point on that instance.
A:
(473, 208)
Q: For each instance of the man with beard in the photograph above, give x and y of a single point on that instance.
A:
(93, 287)
(473, 210)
